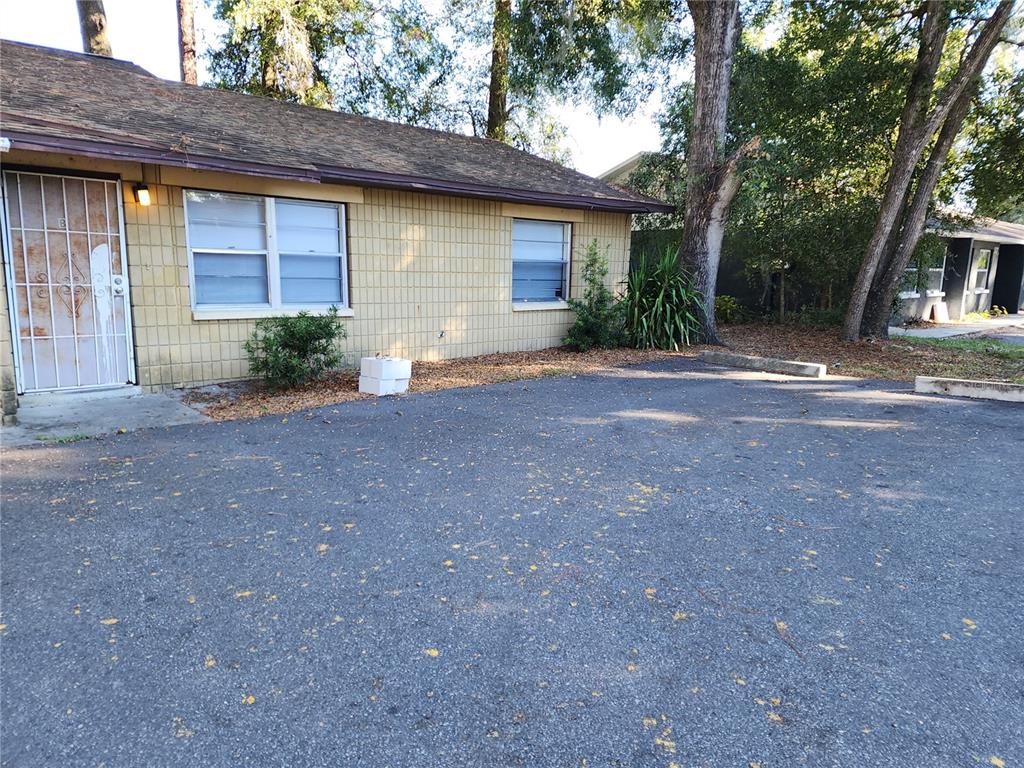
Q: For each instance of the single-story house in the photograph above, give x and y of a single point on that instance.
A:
(983, 267)
(148, 224)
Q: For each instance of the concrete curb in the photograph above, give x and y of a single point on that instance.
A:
(979, 390)
(770, 364)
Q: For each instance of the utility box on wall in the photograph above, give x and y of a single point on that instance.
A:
(384, 375)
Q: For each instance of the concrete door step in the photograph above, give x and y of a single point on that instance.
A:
(33, 399)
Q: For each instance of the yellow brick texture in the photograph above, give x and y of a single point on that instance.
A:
(419, 265)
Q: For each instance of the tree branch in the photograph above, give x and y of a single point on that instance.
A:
(730, 184)
(972, 64)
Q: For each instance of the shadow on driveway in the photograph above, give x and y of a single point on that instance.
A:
(668, 565)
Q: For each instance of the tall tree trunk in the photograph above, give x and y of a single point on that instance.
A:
(187, 42)
(497, 97)
(917, 127)
(903, 243)
(93, 22)
(712, 179)
(910, 142)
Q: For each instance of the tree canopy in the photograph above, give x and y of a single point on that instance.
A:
(823, 84)
(381, 58)
(430, 63)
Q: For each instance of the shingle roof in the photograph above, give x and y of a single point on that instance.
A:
(993, 230)
(91, 105)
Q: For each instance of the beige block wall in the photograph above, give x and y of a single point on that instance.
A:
(419, 265)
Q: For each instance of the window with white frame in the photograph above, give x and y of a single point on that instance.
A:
(981, 268)
(933, 279)
(540, 260)
(265, 252)
(910, 283)
(927, 280)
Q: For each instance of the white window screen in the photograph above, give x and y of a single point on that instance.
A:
(255, 251)
(230, 278)
(981, 270)
(540, 260)
(228, 236)
(908, 285)
(224, 221)
(309, 242)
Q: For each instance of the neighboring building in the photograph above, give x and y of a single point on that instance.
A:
(983, 267)
(620, 174)
(147, 224)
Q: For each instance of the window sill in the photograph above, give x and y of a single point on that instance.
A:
(535, 306)
(255, 313)
(909, 295)
(935, 294)
(979, 291)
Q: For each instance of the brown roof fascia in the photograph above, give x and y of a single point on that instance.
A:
(329, 175)
(480, 191)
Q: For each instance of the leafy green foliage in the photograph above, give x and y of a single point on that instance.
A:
(428, 63)
(1000, 349)
(63, 439)
(289, 351)
(728, 309)
(823, 84)
(993, 158)
(602, 51)
(598, 315)
(609, 54)
(809, 197)
(662, 306)
(375, 57)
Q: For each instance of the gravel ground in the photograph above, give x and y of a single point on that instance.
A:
(672, 565)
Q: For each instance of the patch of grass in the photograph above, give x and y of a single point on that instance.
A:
(63, 439)
(1000, 349)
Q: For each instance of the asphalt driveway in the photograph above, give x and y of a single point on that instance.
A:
(671, 566)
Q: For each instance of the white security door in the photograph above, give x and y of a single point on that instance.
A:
(67, 281)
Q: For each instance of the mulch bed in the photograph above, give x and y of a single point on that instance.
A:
(241, 400)
(894, 359)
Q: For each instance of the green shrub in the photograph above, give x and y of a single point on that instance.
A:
(598, 315)
(289, 351)
(662, 306)
(728, 310)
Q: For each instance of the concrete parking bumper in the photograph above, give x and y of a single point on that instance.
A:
(979, 390)
(769, 364)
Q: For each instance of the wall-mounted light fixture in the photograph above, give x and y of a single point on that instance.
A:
(141, 194)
